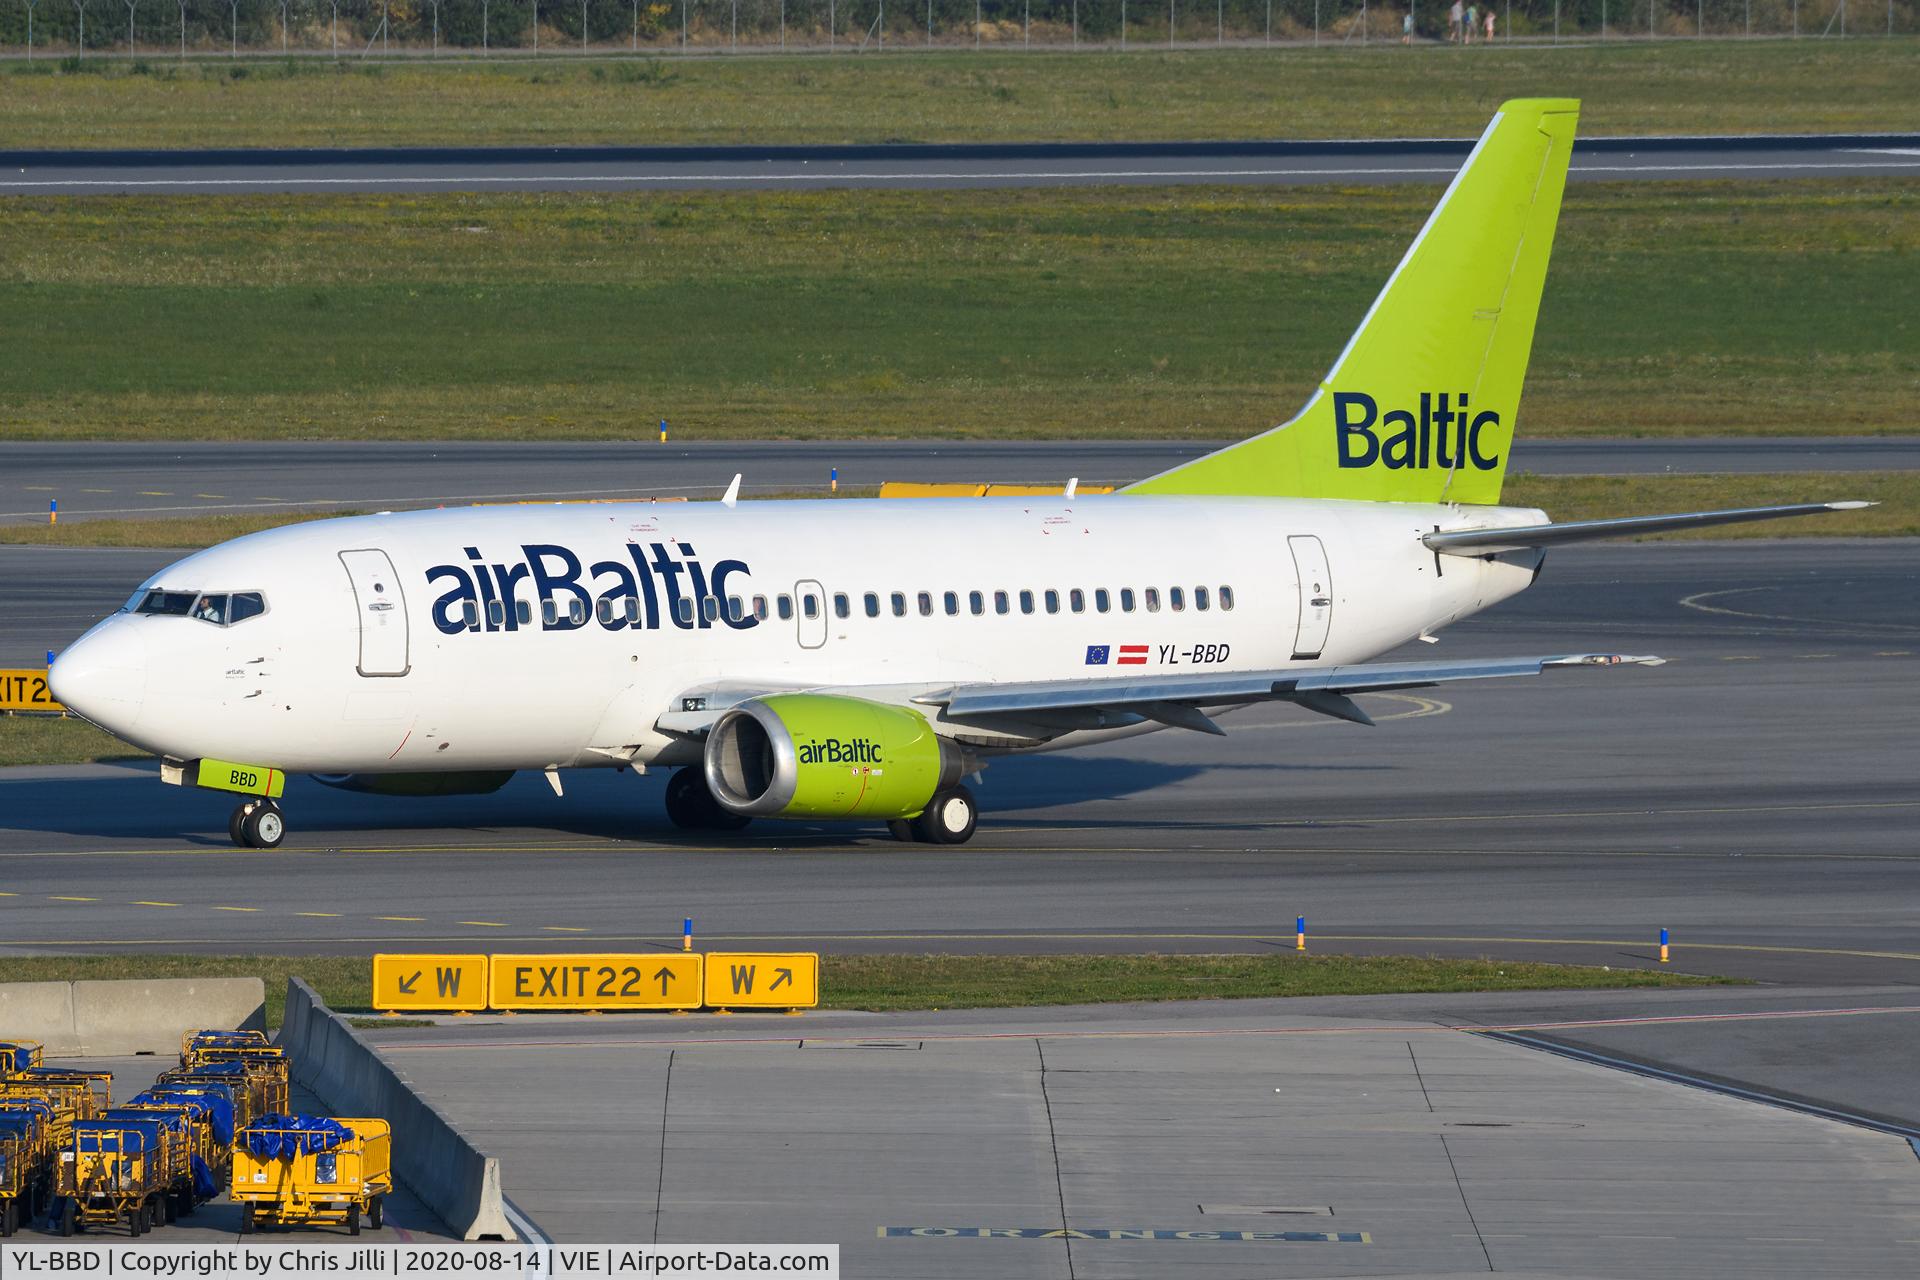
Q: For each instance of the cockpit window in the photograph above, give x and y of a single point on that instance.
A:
(221, 608)
(173, 604)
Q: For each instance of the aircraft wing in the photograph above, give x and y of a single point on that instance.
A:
(1177, 699)
(1474, 542)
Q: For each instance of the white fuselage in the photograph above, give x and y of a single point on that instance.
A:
(439, 664)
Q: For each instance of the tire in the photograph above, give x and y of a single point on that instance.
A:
(10, 1219)
(376, 1212)
(236, 828)
(902, 830)
(691, 806)
(68, 1213)
(246, 1219)
(353, 1219)
(265, 826)
(949, 817)
(137, 1219)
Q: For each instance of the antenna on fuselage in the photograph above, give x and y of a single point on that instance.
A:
(1073, 487)
(732, 494)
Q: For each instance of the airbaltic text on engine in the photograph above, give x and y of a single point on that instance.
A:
(651, 573)
(839, 751)
(1440, 437)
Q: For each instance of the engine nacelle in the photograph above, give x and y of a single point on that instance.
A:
(810, 755)
(454, 783)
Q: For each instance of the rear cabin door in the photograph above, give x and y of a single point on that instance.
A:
(382, 607)
(810, 613)
(1316, 595)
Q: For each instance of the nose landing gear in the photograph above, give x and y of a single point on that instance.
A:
(257, 824)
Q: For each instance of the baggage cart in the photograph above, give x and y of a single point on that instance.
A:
(114, 1171)
(293, 1171)
(185, 1136)
(193, 1043)
(25, 1159)
(18, 1055)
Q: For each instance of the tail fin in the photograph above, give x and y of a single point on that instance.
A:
(1420, 407)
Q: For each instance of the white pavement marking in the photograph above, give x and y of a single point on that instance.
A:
(1020, 175)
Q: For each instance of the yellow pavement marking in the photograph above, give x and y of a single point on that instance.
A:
(561, 928)
(40, 488)
(1892, 653)
(485, 924)
(156, 904)
(209, 495)
(329, 915)
(258, 498)
(404, 919)
(236, 908)
(156, 493)
(96, 491)
(64, 897)
(1739, 657)
(1813, 655)
(9, 895)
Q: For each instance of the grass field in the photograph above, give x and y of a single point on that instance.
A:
(1773, 86)
(902, 982)
(1751, 308)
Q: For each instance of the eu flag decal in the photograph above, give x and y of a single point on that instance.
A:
(1096, 655)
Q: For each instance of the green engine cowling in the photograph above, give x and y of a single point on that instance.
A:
(811, 755)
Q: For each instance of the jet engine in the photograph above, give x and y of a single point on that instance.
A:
(807, 755)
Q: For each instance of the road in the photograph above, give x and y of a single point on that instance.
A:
(1756, 795)
(910, 166)
(159, 480)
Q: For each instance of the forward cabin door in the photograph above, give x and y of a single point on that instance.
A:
(383, 612)
(1316, 595)
(810, 612)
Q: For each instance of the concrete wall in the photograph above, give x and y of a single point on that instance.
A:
(120, 1019)
(454, 1178)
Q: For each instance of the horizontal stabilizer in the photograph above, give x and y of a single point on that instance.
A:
(1474, 542)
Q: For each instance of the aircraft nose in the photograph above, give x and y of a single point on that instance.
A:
(103, 675)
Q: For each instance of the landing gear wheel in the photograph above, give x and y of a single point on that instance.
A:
(235, 821)
(691, 806)
(262, 825)
(376, 1212)
(949, 818)
(902, 830)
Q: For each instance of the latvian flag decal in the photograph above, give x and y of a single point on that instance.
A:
(1133, 655)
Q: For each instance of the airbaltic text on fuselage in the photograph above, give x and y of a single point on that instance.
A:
(666, 581)
(1441, 436)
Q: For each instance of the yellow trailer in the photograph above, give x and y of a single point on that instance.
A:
(26, 1161)
(293, 1171)
(194, 1043)
(113, 1170)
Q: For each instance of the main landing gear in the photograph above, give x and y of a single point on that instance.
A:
(691, 806)
(949, 818)
(258, 824)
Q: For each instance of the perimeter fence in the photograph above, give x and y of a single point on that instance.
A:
(147, 29)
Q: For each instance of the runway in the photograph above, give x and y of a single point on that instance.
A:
(918, 166)
(1755, 795)
(160, 480)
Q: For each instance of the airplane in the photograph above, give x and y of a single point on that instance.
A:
(862, 659)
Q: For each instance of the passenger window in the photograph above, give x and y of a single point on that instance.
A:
(496, 614)
(1176, 599)
(1101, 600)
(872, 602)
(604, 610)
(710, 608)
(810, 605)
(577, 611)
(1152, 599)
(633, 609)
(549, 612)
(1126, 599)
(926, 604)
(736, 609)
(1077, 600)
(683, 608)
(251, 604)
(976, 603)
(786, 608)
(523, 611)
(899, 604)
(1200, 598)
(211, 608)
(952, 601)
(1000, 602)
(841, 608)
(760, 608)
(1053, 600)
(1226, 598)
(470, 613)
(1026, 602)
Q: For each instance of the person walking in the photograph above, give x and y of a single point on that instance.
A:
(1406, 27)
(1455, 16)
(1489, 21)
(1473, 21)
